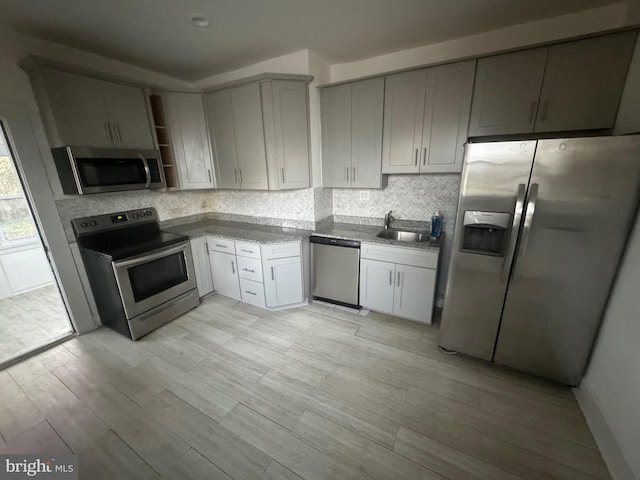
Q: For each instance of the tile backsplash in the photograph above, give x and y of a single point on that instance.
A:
(411, 197)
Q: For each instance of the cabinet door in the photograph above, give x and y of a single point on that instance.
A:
(78, 109)
(190, 140)
(128, 115)
(224, 271)
(403, 114)
(506, 93)
(249, 135)
(367, 107)
(336, 135)
(202, 266)
(413, 296)
(583, 83)
(291, 133)
(446, 116)
(223, 139)
(283, 282)
(376, 285)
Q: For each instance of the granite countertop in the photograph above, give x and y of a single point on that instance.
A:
(367, 233)
(247, 232)
(257, 233)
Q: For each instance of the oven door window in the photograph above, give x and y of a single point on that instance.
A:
(100, 172)
(150, 278)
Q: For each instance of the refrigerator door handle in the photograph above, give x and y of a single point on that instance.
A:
(526, 230)
(513, 235)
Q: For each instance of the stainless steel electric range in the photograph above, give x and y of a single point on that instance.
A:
(140, 276)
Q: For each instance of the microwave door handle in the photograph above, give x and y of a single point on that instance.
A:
(152, 256)
(526, 230)
(513, 234)
(147, 172)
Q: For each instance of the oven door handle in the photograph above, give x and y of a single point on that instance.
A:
(150, 257)
(147, 172)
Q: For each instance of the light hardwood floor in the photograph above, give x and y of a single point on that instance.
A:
(30, 320)
(230, 391)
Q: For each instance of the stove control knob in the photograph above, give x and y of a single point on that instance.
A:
(147, 213)
(93, 223)
(84, 225)
(135, 215)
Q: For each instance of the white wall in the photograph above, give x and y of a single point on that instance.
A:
(610, 392)
(517, 36)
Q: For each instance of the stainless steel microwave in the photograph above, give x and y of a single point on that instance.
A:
(85, 170)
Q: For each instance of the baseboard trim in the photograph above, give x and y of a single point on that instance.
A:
(611, 451)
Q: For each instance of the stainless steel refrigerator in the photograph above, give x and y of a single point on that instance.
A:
(540, 231)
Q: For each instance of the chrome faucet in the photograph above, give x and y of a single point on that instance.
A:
(388, 219)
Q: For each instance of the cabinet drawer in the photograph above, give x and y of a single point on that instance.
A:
(250, 268)
(246, 249)
(405, 256)
(221, 245)
(280, 250)
(252, 292)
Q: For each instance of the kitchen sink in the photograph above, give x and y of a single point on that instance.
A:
(404, 235)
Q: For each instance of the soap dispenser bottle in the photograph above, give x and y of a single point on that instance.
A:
(436, 225)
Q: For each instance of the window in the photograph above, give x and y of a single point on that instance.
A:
(16, 222)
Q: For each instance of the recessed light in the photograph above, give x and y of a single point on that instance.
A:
(200, 20)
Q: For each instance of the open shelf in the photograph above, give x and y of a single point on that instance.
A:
(162, 136)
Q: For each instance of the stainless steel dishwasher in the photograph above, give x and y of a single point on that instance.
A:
(336, 270)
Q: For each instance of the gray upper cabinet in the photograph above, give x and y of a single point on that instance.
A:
(223, 140)
(260, 135)
(286, 128)
(352, 117)
(583, 83)
(403, 117)
(506, 93)
(569, 86)
(426, 117)
(336, 135)
(249, 134)
(446, 116)
(79, 110)
(190, 140)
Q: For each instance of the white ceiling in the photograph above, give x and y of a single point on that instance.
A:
(158, 35)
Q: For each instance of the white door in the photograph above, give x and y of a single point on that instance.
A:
(224, 271)
(376, 285)
(283, 281)
(202, 266)
(413, 297)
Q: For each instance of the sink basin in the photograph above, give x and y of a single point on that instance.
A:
(404, 235)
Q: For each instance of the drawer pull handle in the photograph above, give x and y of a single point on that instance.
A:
(221, 246)
(244, 250)
(247, 270)
(250, 293)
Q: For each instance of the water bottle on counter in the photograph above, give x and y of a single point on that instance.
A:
(436, 225)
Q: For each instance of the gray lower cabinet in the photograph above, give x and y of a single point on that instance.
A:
(352, 134)
(202, 267)
(79, 110)
(260, 135)
(189, 140)
(426, 117)
(569, 86)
